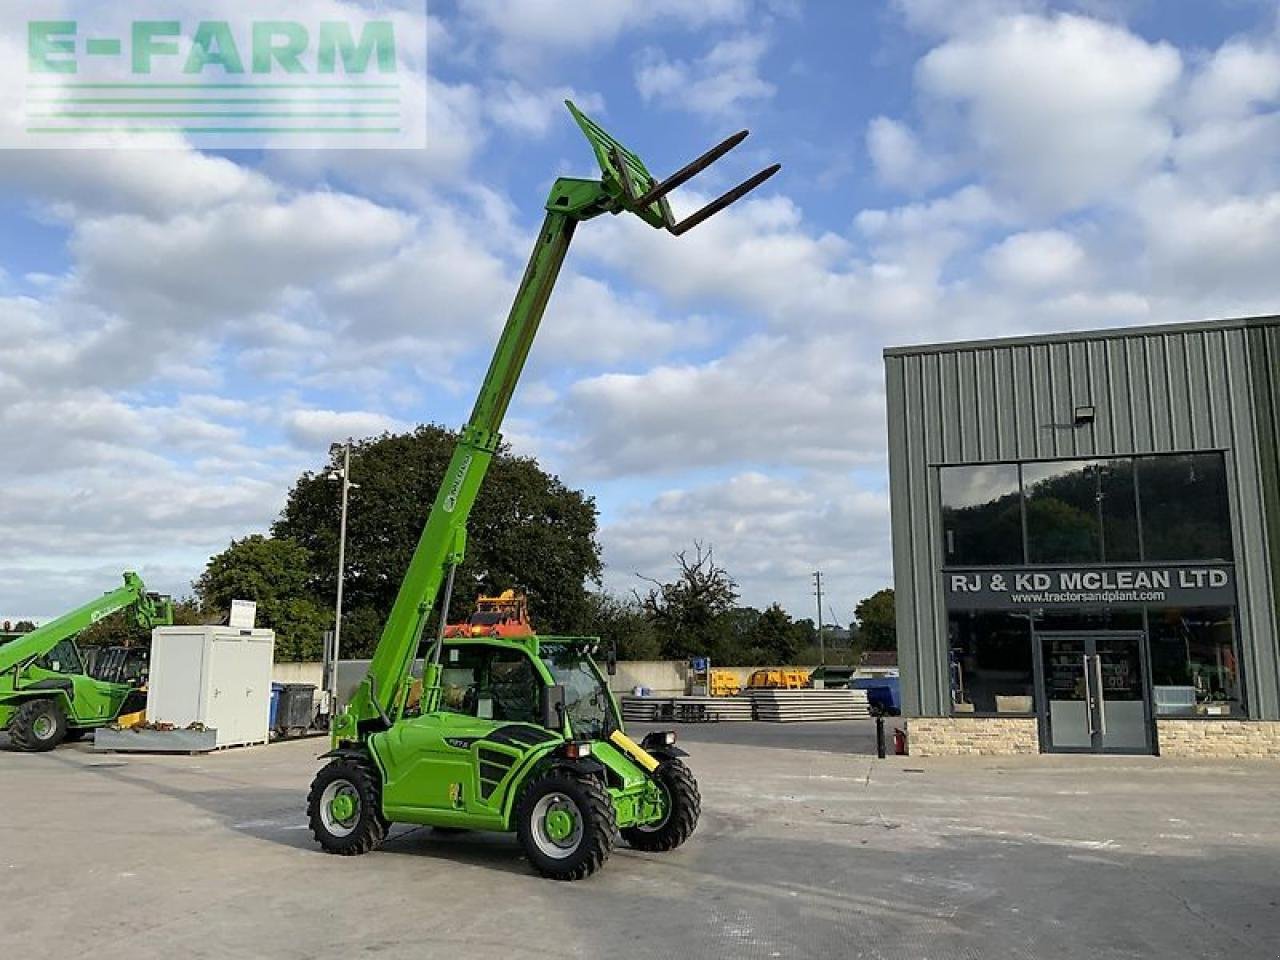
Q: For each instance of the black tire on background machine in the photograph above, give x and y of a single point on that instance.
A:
(24, 727)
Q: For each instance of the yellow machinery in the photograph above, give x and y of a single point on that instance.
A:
(724, 683)
(780, 678)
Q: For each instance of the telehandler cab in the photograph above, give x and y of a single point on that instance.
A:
(517, 733)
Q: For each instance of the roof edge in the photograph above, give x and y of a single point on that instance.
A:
(1108, 333)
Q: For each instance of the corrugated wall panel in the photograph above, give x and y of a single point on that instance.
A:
(1265, 358)
(1165, 390)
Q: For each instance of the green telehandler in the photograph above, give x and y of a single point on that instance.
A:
(48, 695)
(513, 734)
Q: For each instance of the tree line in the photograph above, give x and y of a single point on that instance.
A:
(528, 531)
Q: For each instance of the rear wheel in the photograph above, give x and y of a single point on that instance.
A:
(38, 725)
(566, 825)
(684, 805)
(344, 807)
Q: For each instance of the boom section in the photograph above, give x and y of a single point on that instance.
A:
(150, 611)
(443, 540)
(625, 185)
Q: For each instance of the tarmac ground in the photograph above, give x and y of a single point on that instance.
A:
(808, 847)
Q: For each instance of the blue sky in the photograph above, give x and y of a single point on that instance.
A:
(185, 332)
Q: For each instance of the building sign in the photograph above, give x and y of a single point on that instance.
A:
(1004, 588)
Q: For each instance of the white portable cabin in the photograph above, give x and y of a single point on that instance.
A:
(216, 676)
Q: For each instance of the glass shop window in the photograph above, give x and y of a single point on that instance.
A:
(1195, 671)
(1184, 507)
(1081, 511)
(981, 515)
(991, 664)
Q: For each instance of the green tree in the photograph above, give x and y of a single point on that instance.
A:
(776, 637)
(689, 613)
(274, 573)
(528, 531)
(877, 623)
(622, 621)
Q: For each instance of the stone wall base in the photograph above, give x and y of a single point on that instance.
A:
(960, 736)
(1007, 736)
(1257, 739)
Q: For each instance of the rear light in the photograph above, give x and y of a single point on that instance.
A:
(576, 751)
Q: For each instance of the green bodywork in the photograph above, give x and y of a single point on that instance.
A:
(427, 777)
(443, 768)
(46, 663)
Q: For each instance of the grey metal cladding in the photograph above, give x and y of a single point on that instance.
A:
(1171, 388)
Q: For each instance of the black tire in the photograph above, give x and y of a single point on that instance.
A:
(684, 807)
(362, 829)
(38, 725)
(592, 835)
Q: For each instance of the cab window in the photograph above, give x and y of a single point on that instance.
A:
(64, 658)
(491, 684)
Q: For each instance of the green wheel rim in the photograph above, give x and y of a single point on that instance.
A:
(559, 824)
(340, 808)
(43, 727)
(343, 806)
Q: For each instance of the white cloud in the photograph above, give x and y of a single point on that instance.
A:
(1063, 111)
(532, 31)
(1046, 258)
(319, 428)
(1212, 250)
(769, 532)
(900, 159)
(721, 82)
(533, 112)
(1237, 79)
(772, 401)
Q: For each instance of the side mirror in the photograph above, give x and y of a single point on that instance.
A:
(611, 664)
(553, 707)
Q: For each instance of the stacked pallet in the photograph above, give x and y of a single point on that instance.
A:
(783, 706)
(685, 709)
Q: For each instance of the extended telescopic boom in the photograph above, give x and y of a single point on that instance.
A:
(148, 609)
(626, 186)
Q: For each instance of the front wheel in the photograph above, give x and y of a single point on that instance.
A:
(38, 725)
(566, 825)
(683, 803)
(344, 807)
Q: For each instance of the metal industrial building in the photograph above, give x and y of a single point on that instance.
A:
(1086, 539)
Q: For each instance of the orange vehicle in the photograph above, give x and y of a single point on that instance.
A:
(506, 615)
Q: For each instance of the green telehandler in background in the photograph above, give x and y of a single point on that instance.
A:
(515, 734)
(47, 695)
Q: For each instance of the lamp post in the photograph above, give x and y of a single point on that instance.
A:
(822, 647)
(344, 475)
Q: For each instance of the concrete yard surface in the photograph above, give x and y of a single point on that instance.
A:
(808, 847)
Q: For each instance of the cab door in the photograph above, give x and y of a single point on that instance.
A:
(441, 766)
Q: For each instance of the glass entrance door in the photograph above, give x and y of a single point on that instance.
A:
(1095, 693)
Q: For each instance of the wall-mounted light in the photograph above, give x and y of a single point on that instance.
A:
(1086, 414)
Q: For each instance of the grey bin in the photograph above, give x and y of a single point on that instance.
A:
(296, 709)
